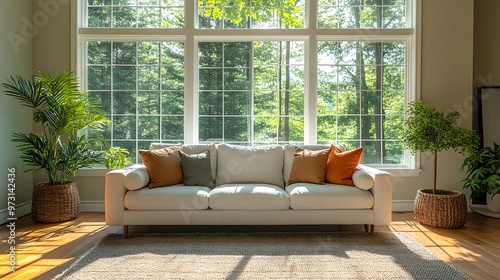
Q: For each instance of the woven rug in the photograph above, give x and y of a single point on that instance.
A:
(276, 255)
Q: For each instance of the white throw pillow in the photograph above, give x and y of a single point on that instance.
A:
(242, 164)
(136, 179)
(362, 180)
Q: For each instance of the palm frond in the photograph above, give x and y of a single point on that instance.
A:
(29, 93)
(37, 153)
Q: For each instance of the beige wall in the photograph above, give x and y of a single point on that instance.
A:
(52, 45)
(487, 64)
(15, 59)
(447, 61)
(486, 42)
(447, 81)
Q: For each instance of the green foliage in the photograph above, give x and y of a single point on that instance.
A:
(239, 13)
(427, 130)
(62, 111)
(116, 157)
(483, 172)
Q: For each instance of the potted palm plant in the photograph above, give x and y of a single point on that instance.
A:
(427, 130)
(483, 176)
(61, 112)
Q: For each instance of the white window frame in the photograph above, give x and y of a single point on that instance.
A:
(191, 36)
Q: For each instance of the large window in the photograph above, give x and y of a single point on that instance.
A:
(251, 93)
(361, 93)
(140, 85)
(252, 72)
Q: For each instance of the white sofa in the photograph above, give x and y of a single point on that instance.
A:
(250, 189)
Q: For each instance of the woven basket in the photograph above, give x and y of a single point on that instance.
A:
(445, 209)
(55, 203)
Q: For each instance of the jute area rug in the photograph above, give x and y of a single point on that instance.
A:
(276, 255)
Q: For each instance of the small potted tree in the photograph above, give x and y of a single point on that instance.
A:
(427, 130)
(61, 112)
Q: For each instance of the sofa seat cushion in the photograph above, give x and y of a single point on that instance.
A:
(248, 197)
(328, 196)
(168, 198)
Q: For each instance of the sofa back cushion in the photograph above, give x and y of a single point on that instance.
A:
(242, 164)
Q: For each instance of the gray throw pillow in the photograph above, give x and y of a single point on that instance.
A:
(196, 169)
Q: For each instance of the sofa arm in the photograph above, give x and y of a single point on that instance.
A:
(115, 188)
(382, 195)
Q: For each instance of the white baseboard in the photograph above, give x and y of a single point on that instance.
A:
(22, 209)
(92, 206)
(402, 205)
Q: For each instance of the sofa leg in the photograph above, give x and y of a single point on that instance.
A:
(125, 231)
(369, 229)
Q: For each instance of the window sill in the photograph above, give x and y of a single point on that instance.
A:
(403, 172)
(92, 172)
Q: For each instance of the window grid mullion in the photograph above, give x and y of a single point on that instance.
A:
(223, 92)
(112, 93)
(137, 96)
(160, 75)
(252, 91)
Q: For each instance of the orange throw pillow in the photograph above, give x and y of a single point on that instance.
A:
(341, 165)
(163, 166)
(309, 166)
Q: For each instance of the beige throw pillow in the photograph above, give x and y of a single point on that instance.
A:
(309, 166)
(163, 166)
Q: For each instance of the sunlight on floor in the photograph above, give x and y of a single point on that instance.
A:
(46, 246)
(438, 243)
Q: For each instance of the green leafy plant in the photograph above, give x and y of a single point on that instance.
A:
(483, 172)
(62, 111)
(427, 130)
(116, 157)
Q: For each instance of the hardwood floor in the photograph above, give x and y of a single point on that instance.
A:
(45, 250)
(474, 249)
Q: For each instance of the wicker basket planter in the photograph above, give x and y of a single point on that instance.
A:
(445, 209)
(55, 203)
